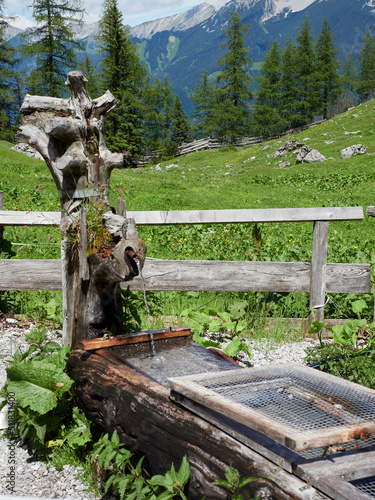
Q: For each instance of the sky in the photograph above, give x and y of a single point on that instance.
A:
(134, 11)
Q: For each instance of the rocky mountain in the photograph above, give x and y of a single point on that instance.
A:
(181, 46)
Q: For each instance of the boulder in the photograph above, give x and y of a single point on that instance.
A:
(356, 149)
(288, 146)
(27, 150)
(308, 154)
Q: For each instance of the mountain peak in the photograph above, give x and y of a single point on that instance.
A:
(178, 22)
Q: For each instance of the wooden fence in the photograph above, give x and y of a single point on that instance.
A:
(316, 277)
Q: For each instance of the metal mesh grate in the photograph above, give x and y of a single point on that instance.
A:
(367, 485)
(302, 401)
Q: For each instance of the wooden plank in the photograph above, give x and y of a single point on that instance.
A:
(133, 338)
(15, 218)
(248, 276)
(318, 270)
(331, 476)
(274, 428)
(24, 274)
(279, 455)
(18, 218)
(247, 215)
(337, 489)
(30, 274)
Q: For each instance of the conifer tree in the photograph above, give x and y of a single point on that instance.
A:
(350, 75)
(88, 69)
(234, 94)
(8, 103)
(123, 74)
(327, 67)
(289, 86)
(179, 130)
(53, 44)
(366, 59)
(203, 100)
(308, 99)
(267, 111)
(158, 101)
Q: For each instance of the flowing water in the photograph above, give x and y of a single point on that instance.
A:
(152, 343)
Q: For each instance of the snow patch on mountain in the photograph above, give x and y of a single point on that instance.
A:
(178, 22)
(275, 7)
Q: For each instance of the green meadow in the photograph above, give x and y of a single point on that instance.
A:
(226, 178)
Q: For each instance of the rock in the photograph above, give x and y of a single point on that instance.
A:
(328, 142)
(21, 147)
(355, 115)
(356, 149)
(267, 146)
(158, 168)
(288, 146)
(284, 164)
(172, 165)
(325, 133)
(309, 155)
(352, 133)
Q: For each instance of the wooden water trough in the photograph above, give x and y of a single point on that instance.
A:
(159, 407)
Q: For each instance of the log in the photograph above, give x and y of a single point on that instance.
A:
(117, 396)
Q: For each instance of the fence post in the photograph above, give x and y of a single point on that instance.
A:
(318, 271)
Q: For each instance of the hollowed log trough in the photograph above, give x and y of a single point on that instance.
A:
(118, 396)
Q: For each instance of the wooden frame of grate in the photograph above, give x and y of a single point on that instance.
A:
(292, 438)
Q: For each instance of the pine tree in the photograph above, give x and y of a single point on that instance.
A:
(158, 100)
(308, 99)
(123, 74)
(179, 129)
(366, 59)
(203, 100)
(350, 75)
(289, 86)
(88, 69)
(53, 44)
(267, 111)
(327, 67)
(8, 103)
(234, 94)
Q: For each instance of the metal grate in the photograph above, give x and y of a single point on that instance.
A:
(367, 485)
(294, 397)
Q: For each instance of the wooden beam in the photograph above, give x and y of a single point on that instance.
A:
(164, 275)
(133, 338)
(149, 218)
(318, 270)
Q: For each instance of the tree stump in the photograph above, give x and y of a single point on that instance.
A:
(100, 248)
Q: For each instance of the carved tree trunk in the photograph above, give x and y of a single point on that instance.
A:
(69, 134)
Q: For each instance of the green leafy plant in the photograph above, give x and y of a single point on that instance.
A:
(233, 483)
(128, 481)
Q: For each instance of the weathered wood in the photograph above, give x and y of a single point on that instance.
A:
(279, 455)
(133, 338)
(198, 275)
(318, 270)
(69, 134)
(337, 489)
(332, 476)
(84, 272)
(119, 397)
(142, 218)
(289, 436)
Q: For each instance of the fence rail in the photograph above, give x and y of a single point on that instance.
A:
(316, 277)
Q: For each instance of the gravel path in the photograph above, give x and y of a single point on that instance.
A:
(32, 478)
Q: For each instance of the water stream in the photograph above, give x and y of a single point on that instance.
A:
(152, 342)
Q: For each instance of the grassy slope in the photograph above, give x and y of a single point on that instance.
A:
(225, 178)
